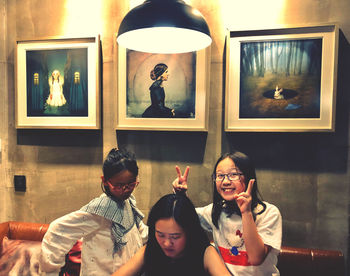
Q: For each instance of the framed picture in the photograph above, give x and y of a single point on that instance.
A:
(165, 92)
(281, 79)
(58, 83)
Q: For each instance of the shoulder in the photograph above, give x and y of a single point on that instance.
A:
(205, 210)
(210, 251)
(213, 262)
(271, 214)
(156, 84)
(271, 209)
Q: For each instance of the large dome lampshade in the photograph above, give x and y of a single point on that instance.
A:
(164, 26)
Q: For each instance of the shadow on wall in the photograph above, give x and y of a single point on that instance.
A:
(60, 146)
(316, 152)
(188, 147)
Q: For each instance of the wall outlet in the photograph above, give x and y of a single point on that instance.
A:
(20, 183)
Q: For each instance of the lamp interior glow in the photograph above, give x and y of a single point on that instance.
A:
(164, 40)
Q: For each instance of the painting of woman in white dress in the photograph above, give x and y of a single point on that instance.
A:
(56, 102)
(57, 83)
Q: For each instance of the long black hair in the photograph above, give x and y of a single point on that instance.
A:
(116, 161)
(246, 166)
(181, 209)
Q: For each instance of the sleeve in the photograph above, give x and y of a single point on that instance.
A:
(204, 214)
(269, 226)
(143, 229)
(61, 236)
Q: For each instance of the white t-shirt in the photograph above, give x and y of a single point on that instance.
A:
(229, 242)
(97, 247)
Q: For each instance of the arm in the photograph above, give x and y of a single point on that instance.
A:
(134, 266)
(61, 236)
(158, 97)
(256, 249)
(143, 229)
(213, 263)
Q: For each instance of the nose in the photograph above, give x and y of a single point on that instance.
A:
(167, 242)
(226, 181)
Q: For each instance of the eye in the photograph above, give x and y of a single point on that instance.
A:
(159, 235)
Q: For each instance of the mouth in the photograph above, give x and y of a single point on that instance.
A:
(168, 251)
(228, 190)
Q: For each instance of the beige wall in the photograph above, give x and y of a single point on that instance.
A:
(305, 175)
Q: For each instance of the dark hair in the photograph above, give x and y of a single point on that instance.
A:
(116, 161)
(246, 166)
(158, 70)
(58, 78)
(182, 210)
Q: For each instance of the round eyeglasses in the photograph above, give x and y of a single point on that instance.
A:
(124, 186)
(234, 176)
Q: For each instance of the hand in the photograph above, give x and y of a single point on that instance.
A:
(180, 183)
(244, 199)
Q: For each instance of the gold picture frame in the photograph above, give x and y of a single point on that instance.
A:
(58, 83)
(186, 91)
(281, 80)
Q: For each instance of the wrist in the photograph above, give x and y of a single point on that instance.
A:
(247, 213)
(181, 192)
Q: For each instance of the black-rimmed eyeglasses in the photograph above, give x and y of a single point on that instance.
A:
(234, 176)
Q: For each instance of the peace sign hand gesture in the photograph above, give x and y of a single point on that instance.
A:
(180, 183)
(244, 199)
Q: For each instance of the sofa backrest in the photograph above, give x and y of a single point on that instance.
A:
(23, 230)
(294, 261)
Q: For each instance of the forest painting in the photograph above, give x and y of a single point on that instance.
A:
(280, 78)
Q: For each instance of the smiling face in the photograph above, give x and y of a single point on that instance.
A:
(226, 188)
(170, 237)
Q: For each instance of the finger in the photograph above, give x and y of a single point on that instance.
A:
(250, 186)
(175, 183)
(178, 170)
(186, 173)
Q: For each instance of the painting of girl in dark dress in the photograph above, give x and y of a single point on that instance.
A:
(153, 92)
(157, 109)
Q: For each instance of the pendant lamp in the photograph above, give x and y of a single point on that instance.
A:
(164, 26)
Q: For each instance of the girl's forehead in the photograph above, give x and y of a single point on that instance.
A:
(168, 226)
(226, 163)
(124, 175)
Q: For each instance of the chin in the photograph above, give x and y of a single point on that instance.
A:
(126, 196)
(228, 197)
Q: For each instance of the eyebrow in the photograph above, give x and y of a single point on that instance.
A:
(233, 171)
(171, 234)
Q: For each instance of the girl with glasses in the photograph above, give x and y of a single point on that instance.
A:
(177, 244)
(110, 226)
(247, 231)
